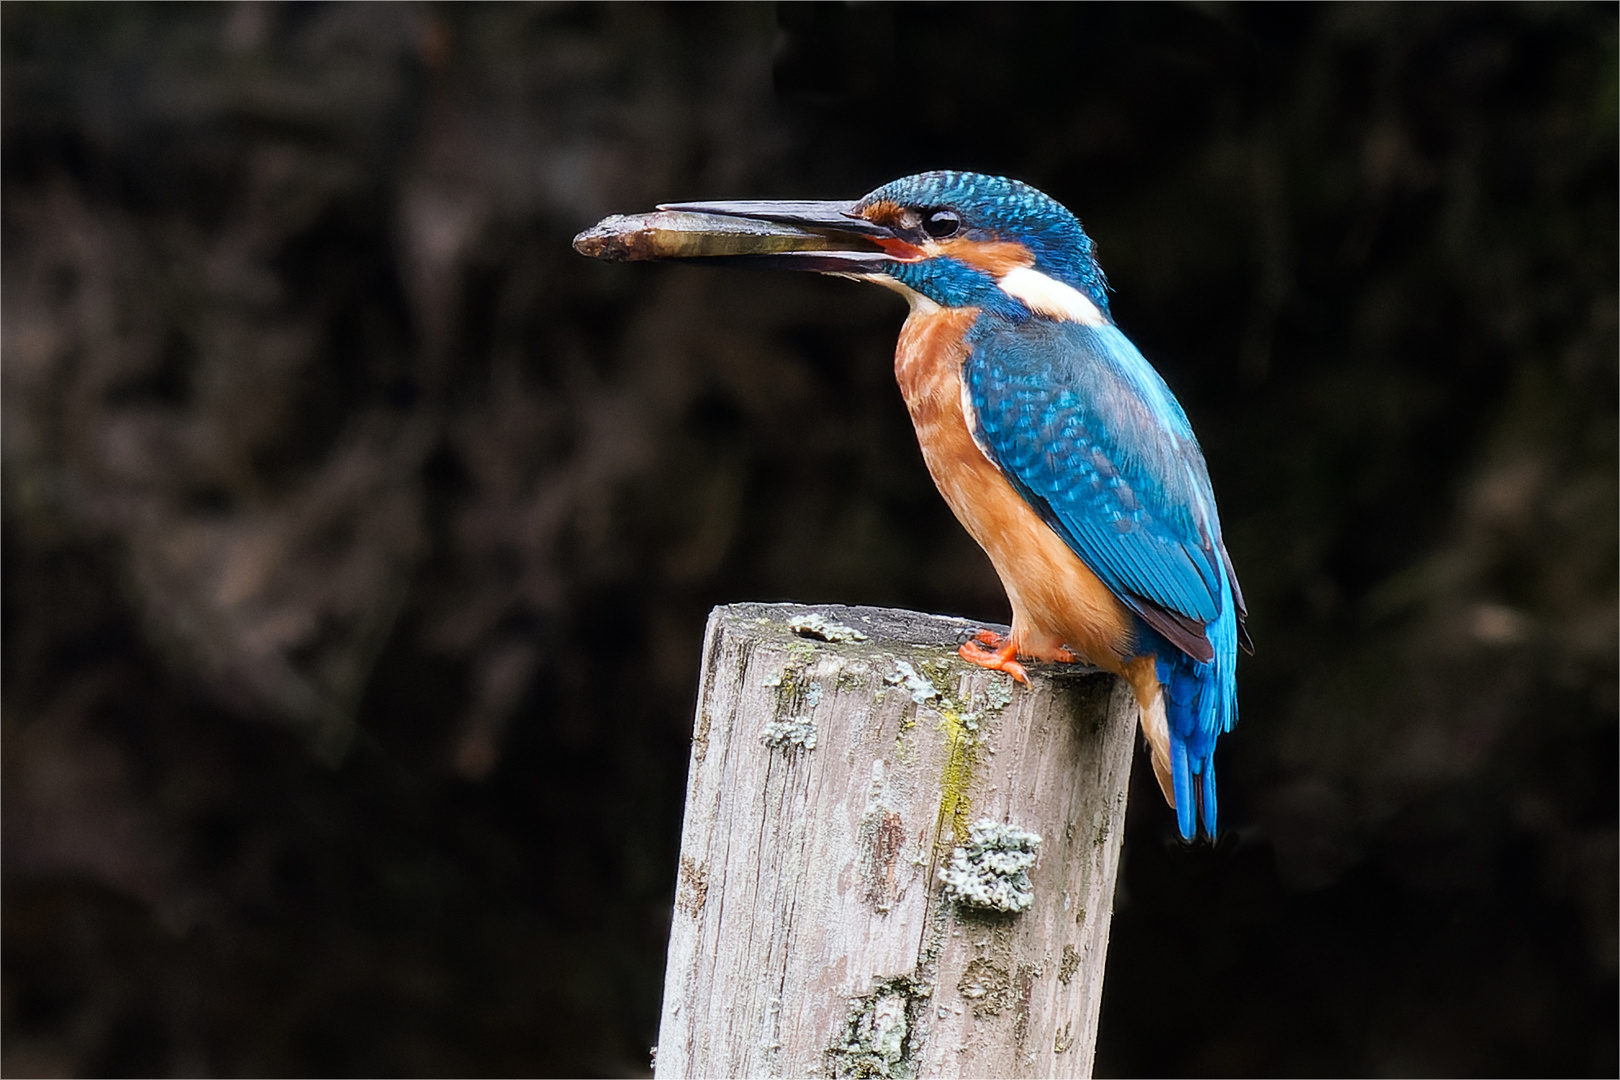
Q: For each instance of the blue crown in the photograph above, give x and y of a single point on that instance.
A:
(996, 208)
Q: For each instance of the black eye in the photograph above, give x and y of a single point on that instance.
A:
(941, 223)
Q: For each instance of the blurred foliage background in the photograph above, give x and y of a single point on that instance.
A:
(358, 535)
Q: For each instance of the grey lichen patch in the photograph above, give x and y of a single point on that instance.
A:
(991, 871)
(998, 692)
(795, 690)
(931, 681)
(906, 677)
(792, 730)
(995, 696)
(944, 672)
(881, 1037)
(789, 736)
(813, 624)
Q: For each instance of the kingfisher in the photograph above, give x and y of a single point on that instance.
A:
(1056, 444)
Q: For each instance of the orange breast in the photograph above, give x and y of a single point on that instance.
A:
(1056, 599)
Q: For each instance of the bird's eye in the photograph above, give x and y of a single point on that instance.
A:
(941, 223)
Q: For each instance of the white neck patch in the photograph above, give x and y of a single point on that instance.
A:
(1050, 297)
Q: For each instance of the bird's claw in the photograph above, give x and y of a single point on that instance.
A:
(1001, 656)
(1063, 655)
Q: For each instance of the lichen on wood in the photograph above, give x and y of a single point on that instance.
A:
(789, 735)
(816, 625)
(815, 934)
(991, 871)
(881, 1034)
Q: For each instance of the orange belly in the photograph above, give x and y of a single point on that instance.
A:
(1056, 599)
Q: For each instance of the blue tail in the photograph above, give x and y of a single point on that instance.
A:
(1200, 705)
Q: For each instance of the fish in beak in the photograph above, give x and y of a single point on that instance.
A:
(826, 237)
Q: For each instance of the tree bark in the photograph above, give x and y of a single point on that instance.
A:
(831, 782)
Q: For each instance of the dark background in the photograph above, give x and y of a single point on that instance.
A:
(358, 535)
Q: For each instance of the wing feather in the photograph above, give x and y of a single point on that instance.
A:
(1090, 435)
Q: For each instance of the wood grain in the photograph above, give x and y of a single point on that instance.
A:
(810, 934)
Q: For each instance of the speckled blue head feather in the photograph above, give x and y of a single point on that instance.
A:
(997, 209)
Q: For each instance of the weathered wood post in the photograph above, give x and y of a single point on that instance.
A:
(852, 896)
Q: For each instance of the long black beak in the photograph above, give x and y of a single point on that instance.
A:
(828, 237)
(829, 216)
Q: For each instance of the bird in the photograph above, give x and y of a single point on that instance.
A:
(1056, 444)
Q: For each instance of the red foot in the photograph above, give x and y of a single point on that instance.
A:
(1001, 656)
(1063, 655)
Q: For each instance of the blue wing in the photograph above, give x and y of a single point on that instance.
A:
(1090, 435)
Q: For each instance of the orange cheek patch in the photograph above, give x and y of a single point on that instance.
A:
(893, 214)
(884, 213)
(994, 257)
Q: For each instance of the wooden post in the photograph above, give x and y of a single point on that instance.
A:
(842, 758)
